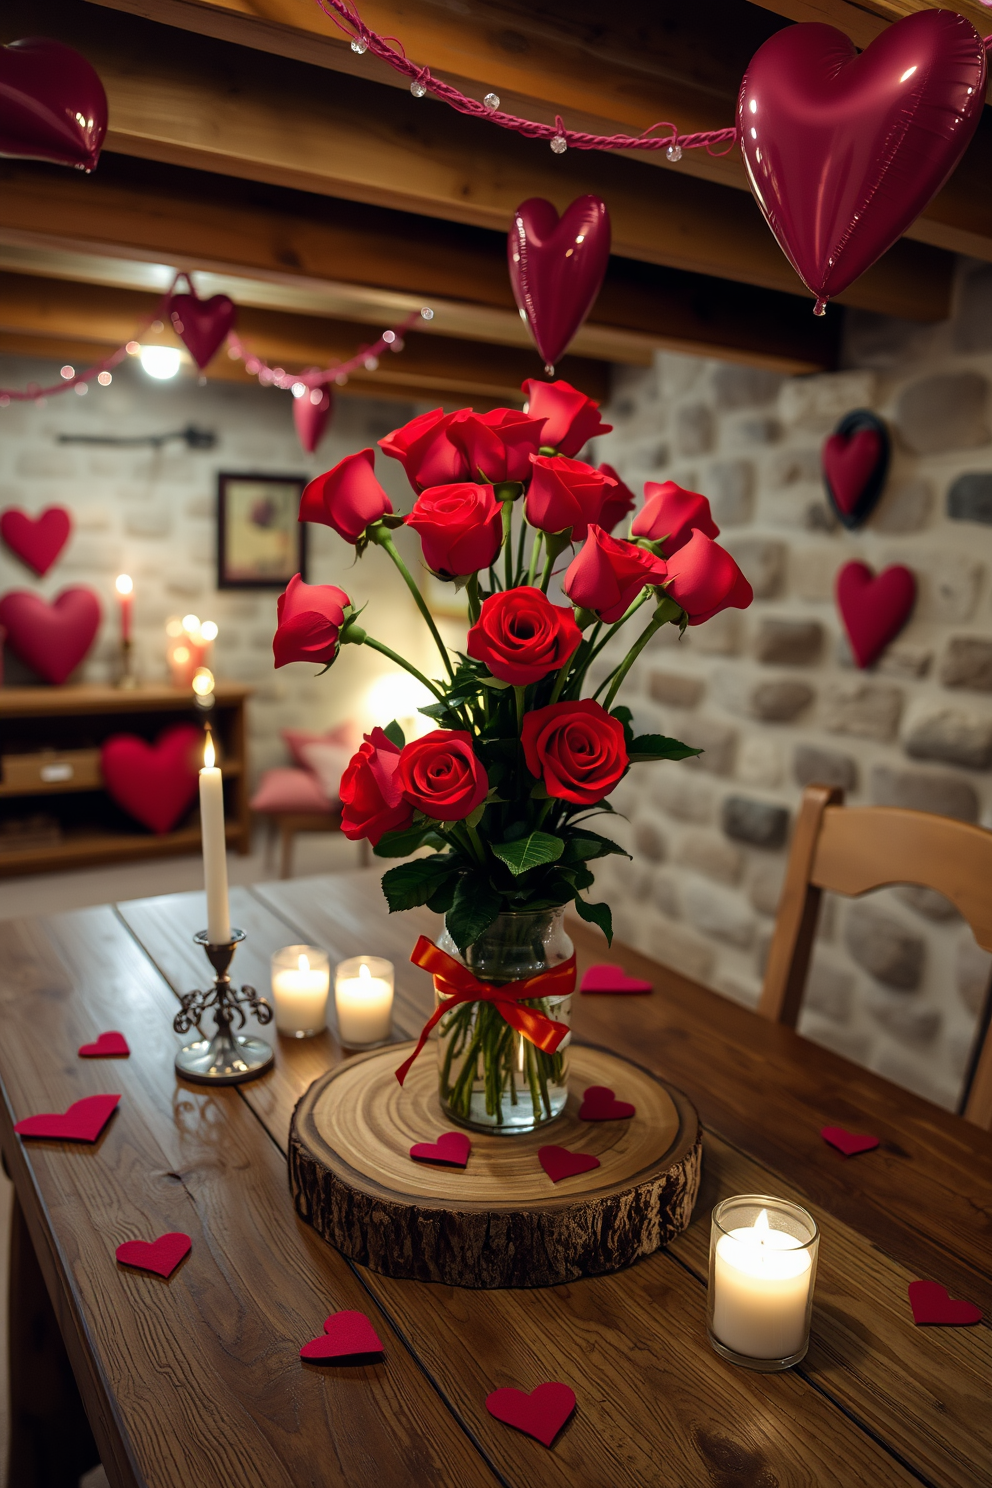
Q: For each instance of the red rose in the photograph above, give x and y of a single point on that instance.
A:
(441, 776)
(521, 636)
(618, 504)
(607, 574)
(371, 795)
(310, 616)
(565, 493)
(570, 418)
(577, 749)
(346, 498)
(442, 448)
(460, 528)
(669, 515)
(704, 579)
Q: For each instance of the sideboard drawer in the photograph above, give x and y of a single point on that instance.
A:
(50, 770)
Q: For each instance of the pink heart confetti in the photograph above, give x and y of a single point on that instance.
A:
(600, 1104)
(451, 1149)
(559, 1162)
(932, 1303)
(346, 1335)
(111, 1045)
(540, 1414)
(847, 1142)
(613, 981)
(161, 1256)
(82, 1122)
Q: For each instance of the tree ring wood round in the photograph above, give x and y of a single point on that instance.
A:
(500, 1221)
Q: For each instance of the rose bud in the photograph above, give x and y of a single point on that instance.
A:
(618, 504)
(521, 636)
(424, 450)
(669, 514)
(310, 617)
(441, 775)
(704, 579)
(460, 528)
(372, 801)
(577, 749)
(570, 418)
(607, 574)
(440, 448)
(520, 437)
(565, 493)
(347, 498)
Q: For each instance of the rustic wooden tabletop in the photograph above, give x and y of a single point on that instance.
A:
(198, 1379)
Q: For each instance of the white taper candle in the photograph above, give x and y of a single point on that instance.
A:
(214, 847)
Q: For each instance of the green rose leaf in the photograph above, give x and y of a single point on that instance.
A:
(596, 914)
(529, 852)
(656, 747)
(395, 734)
(475, 905)
(412, 884)
(587, 844)
(402, 844)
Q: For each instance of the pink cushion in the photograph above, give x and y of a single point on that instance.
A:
(328, 763)
(288, 789)
(348, 735)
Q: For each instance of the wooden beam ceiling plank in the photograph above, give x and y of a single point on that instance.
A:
(863, 20)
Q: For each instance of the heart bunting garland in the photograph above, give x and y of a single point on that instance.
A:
(202, 324)
(855, 464)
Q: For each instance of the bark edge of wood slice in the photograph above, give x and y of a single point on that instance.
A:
(500, 1222)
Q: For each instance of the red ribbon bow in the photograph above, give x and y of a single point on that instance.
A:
(457, 984)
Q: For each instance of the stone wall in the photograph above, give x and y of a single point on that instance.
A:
(772, 694)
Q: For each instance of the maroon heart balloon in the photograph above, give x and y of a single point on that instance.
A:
(311, 415)
(51, 638)
(202, 325)
(154, 783)
(844, 150)
(52, 104)
(557, 266)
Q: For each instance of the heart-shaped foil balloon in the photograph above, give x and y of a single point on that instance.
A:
(311, 414)
(557, 266)
(202, 325)
(844, 150)
(52, 104)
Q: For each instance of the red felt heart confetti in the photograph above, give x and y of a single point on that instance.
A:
(874, 608)
(51, 638)
(161, 1256)
(613, 981)
(557, 267)
(154, 783)
(559, 1162)
(600, 1104)
(540, 1414)
(932, 1303)
(202, 324)
(847, 1142)
(345, 1335)
(52, 104)
(111, 1045)
(39, 540)
(82, 1122)
(451, 1148)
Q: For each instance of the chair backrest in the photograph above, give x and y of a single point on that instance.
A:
(851, 850)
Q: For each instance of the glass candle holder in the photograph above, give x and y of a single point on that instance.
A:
(300, 984)
(762, 1272)
(363, 996)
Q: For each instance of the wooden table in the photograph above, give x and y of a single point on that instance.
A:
(198, 1380)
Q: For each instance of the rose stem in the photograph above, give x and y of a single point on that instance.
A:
(385, 541)
(406, 665)
(535, 550)
(630, 658)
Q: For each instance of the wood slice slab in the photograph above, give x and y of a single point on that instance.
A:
(500, 1222)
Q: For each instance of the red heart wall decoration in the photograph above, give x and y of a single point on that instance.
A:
(540, 1414)
(855, 463)
(844, 150)
(51, 638)
(154, 783)
(202, 325)
(451, 1149)
(82, 1122)
(311, 415)
(874, 608)
(161, 1256)
(52, 104)
(557, 267)
(932, 1303)
(39, 540)
(346, 1335)
(559, 1162)
(111, 1045)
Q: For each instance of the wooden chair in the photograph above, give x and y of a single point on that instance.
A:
(851, 850)
(286, 824)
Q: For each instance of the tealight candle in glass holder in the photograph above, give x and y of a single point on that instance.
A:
(363, 996)
(300, 984)
(762, 1271)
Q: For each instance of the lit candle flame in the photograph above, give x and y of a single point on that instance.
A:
(761, 1227)
(125, 584)
(304, 963)
(364, 972)
(209, 753)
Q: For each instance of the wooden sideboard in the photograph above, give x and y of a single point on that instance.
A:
(50, 740)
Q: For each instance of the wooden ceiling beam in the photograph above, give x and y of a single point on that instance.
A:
(861, 20)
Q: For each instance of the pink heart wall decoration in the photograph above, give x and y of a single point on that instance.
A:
(51, 638)
(855, 463)
(311, 415)
(39, 540)
(557, 265)
(52, 104)
(202, 325)
(154, 783)
(874, 608)
(844, 150)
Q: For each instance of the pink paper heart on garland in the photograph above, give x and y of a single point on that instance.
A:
(161, 1256)
(51, 638)
(346, 1335)
(932, 1303)
(111, 1045)
(82, 1122)
(613, 981)
(560, 1162)
(154, 783)
(850, 1143)
(311, 414)
(52, 104)
(600, 1104)
(39, 540)
(557, 265)
(844, 150)
(540, 1414)
(202, 325)
(855, 463)
(874, 607)
(451, 1149)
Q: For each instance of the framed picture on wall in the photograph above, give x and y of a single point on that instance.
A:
(261, 543)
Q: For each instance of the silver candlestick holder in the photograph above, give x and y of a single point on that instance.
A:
(227, 1058)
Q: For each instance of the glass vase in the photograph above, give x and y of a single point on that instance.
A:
(490, 1077)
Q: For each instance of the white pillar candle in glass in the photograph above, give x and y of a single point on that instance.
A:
(214, 847)
(762, 1270)
(301, 982)
(363, 996)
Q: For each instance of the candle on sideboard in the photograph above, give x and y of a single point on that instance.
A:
(363, 997)
(214, 846)
(125, 593)
(300, 983)
(762, 1270)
